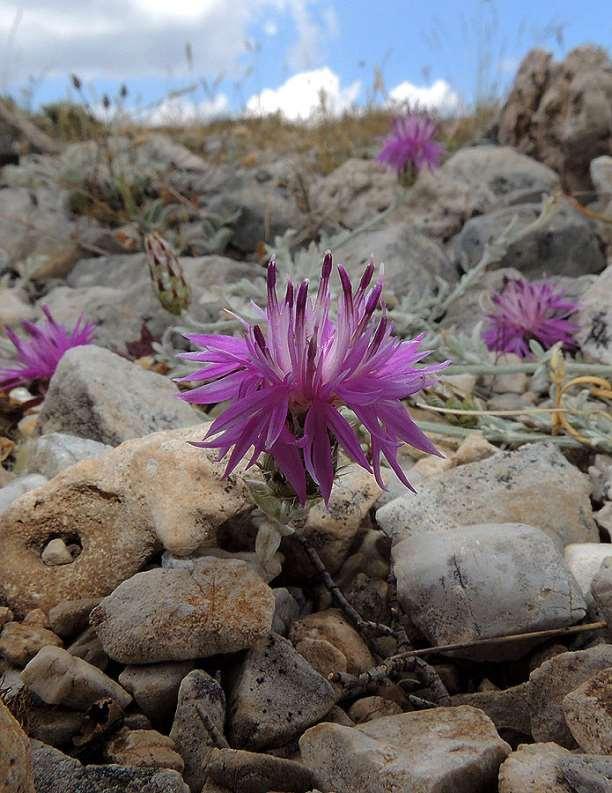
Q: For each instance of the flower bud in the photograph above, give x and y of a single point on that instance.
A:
(167, 277)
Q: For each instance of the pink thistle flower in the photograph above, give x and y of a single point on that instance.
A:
(523, 311)
(287, 383)
(412, 142)
(38, 356)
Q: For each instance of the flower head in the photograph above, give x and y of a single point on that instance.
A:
(523, 311)
(167, 276)
(287, 381)
(39, 355)
(412, 142)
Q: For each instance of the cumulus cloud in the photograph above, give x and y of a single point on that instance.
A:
(302, 95)
(120, 39)
(437, 96)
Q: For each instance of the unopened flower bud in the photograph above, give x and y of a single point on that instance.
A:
(167, 277)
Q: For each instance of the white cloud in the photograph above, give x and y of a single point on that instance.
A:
(313, 30)
(302, 95)
(182, 110)
(437, 96)
(270, 27)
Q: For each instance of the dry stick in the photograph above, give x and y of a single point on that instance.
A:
(403, 662)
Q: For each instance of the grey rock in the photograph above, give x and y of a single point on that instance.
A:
(286, 611)
(155, 687)
(588, 773)
(246, 772)
(595, 319)
(432, 751)
(89, 647)
(276, 696)
(534, 485)
(588, 713)
(601, 589)
(55, 772)
(508, 709)
(71, 616)
(59, 678)
(483, 581)
(19, 486)
(550, 682)
(220, 606)
(412, 261)
(80, 402)
(584, 560)
(13, 309)
(56, 552)
(566, 245)
(52, 453)
(191, 736)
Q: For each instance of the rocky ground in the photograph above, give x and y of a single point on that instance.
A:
(144, 644)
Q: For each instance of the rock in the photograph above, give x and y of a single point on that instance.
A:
(583, 560)
(59, 678)
(355, 192)
(567, 121)
(15, 755)
(155, 687)
(600, 473)
(71, 616)
(88, 647)
(601, 175)
(80, 402)
(603, 517)
(444, 749)
(412, 261)
(268, 571)
(56, 451)
(332, 627)
(484, 581)
(534, 485)
(549, 684)
(117, 508)
(474, 181)
(220, 606)
(533, 769)
(286, 610)
(507, 709)
(566, 245)
(237, 771)
(143, 749)
(55, 772)
(19, 643)
(473, 448)
(19, 486)
(6, 615)
(56, 552)
(191, 737)
(588, 713)
(276, 696)
(13, 309)
(331, 530)
(601, 589)
(595, 320)
(587, 773)
(370, 708)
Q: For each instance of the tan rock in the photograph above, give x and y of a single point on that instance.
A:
(143, 749)
(322, 656)
(331, 626)
(36, 617)
(19, 643)
(533, 769)
(119, 508)
(588, 713)
(473, 447)
(15, 755)
(370, 708)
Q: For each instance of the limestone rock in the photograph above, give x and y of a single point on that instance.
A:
(483, 581)
(13, 309)
(595, 319)
(583, 560)
(534, 485)
(587, 773)
(15, 755)
(276, 696)
(191, 737)
(508, 709)
(52, 453)
(19, 486)
(549, 684)
(220, 606)
(370, 708)
(155, 687)
(442, 750)
(71, 616)
(236, 771)
(119, 508)
(588, 713)
(80, 402)
(534, 769)
(331, 626)
(59, 678)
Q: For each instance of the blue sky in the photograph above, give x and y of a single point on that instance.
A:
(441, 52)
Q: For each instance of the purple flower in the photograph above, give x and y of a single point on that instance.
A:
(412, 142)
(38, 356)
(286, 383)
(523, 311)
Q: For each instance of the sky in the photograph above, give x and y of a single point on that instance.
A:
(181, 59)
